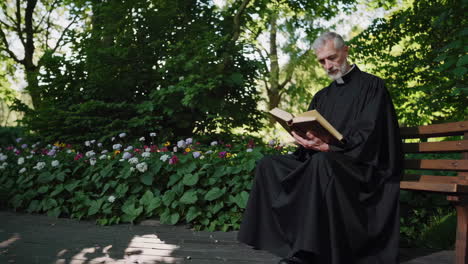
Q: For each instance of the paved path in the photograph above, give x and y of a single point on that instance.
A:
(39, 239)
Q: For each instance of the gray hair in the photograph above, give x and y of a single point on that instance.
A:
(320, 41)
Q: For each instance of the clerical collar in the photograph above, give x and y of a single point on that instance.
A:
(340, 80)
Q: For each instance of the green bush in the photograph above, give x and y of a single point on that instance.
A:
(206, 186)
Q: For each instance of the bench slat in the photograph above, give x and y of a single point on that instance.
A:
(437, 130)
(434, 147)
(453, 165)
(435, 179)
(434, 187)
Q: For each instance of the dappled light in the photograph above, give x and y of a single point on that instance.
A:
(10, 241)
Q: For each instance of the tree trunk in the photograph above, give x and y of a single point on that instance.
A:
(274, 91)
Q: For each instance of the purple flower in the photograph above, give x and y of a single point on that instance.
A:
(24, 146)
(222, 154)
(51, 152)
(196, 154)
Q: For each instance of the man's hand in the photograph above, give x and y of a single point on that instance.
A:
(312, 142)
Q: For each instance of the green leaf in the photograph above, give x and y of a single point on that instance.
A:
(214, 194)
(189, 197)
(45, 177)
(463, 60)
(60, 176)
(54, 212)
(168, 197)
(58, 189)
(173, 179)
(94, 207)
(121, 190)
(71, 186)
(460, 71)
(216, 207)
(147, 197)
(241, 199)
(147, 178)
(43, 189)
(190, 179)
(168, 218)
(192, 213)
(34, 206)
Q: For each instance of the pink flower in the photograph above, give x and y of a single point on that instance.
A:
(173, 160)
(78, 156)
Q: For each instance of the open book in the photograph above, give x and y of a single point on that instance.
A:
(310, 120)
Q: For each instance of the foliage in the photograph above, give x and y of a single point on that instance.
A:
(205, 186)
(421, 52)
(141, 67)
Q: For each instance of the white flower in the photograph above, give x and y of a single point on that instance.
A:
(133, 160)
(181, 144)
(40, 165)
(122, 135)
(3, 166)
(22, 170)
(202, 157)
(189, 141)
(92, 161)
(87, 143)
(113, 138)
(69, 151)
(32, 152)
(90, 154)
(55, 163)
(99, 145)
(164, 157)
(145, 154)
(104, 151)
(196, 154)
(132, 169)
(249, 150)
(152, 134)
(30, 156)
(147, 149)
(174, 149)
(103, 156)
(18, 140)
(116, 146)
(142, 167)
(209, 152)
(181, 78)
(126, 155)
(142, 139)
(20, 161)
(51, 152)
(290, 152)
(3, 157)
(93, 141)
(214, 143)
(111, 199)
(128, 148)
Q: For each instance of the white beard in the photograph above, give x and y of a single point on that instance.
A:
(341, 71)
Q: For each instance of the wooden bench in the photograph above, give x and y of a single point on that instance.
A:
(455, 187)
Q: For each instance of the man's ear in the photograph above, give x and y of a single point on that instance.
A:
(346, 49)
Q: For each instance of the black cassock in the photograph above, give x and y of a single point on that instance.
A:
(341, 205)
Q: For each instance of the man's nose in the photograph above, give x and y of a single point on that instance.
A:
(328, 64)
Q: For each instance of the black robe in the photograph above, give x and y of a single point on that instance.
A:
(342, 205)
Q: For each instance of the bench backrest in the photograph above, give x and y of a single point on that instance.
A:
(455, 146)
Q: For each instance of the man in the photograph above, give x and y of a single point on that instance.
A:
(333, 204)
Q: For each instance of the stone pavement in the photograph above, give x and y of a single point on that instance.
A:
(39, 239)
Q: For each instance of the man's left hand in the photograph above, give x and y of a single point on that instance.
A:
(311, 142)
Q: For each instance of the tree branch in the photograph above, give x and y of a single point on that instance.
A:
(7, 47)
(18, 23)
(46, 14)
(236, 29)
(57, 45)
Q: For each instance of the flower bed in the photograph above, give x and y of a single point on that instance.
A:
(205, 185)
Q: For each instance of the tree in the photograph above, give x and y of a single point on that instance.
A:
(172, 68)
(28, 30)
(421, 52)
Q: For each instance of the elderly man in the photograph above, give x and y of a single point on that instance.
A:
(333, 204)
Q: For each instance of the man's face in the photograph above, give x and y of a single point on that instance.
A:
(333, 60)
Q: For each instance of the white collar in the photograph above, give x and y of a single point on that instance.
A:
(340, 80)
